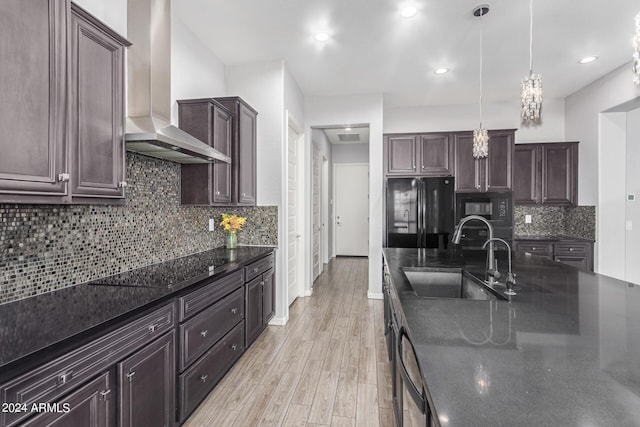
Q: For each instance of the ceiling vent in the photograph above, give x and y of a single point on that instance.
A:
(349, 137)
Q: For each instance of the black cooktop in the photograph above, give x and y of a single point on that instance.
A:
(178, 272)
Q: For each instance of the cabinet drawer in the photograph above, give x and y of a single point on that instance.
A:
(256, 268)
(535, 248)
(200, 378)
(51, 380)
(207, 295)
(570, 249)
(203, 330)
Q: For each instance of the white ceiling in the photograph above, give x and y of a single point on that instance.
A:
(373, 49)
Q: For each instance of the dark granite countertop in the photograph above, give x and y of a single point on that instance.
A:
(552, 238)
(36, 326)
(565, 351)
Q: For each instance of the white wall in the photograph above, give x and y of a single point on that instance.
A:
(581, 115)
(350, 153)
(320, 140)
(195, 71)
(261, 85)
(112, 12)
(331, 110)
(498, 115)
(633, 187)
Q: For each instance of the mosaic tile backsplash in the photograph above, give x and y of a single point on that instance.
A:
(579, 221)
(47, 247)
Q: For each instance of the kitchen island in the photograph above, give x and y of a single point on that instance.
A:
(564, 351)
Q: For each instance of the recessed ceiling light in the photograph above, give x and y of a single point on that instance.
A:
(321, 37)
(347, 129)
(408, 11)
(588, 59)
(441, 71)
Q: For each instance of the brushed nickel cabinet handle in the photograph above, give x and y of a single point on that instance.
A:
(234, 310)
(122, 184)
(129, 376)
(204, 333)
(218, 193)
(570, 249)
(64, 177)
(234, 347)
(255, 270)
(203, 378)
(65, 378)
(152, 328)
(104, 395)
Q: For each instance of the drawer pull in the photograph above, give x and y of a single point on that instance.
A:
(204, 333)
(234, 347)
(63, 177)
(570, 249)
(262, 283)
(234, 310)
(203, 378)
(104, 395)
(255, 269)
(218, 193)
(65, 378)
(152, 328)
(129, 376)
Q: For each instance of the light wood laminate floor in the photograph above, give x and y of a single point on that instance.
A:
(326, 367)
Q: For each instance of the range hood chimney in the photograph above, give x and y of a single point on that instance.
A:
(148, 126)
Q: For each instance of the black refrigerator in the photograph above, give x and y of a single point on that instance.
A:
(420, 212)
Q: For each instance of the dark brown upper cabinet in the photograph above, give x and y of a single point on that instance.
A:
(97, 108)
(210, 122)
(244, 147)
(546, 173)
(493, 173)
(34, 101)
(424, 154)
(63, 105)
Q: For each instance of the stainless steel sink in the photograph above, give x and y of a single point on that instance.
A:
(449, 283)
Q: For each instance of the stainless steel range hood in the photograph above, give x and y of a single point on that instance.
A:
(148, 126)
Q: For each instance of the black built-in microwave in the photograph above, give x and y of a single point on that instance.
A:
(497, 208)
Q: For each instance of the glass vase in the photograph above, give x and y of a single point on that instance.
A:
(231, 241)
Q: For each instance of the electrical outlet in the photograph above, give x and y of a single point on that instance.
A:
(212, 224)
(527, 219)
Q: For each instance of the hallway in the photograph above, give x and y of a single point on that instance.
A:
(327, 367)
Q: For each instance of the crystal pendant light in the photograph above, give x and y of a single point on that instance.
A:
(531, 87)
(480, 135)
(636, 52)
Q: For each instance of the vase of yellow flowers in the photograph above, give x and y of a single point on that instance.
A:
(231, 224)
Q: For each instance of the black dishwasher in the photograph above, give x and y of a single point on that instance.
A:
(412, 401)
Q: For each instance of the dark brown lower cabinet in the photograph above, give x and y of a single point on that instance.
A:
(92, 405)
(577, 254)
(147, 385)
(268, 296)
(254, 313)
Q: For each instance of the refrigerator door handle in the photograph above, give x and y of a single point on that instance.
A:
(420, 198)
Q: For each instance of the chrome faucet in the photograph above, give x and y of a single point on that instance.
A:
(511, 278)
(491, 260)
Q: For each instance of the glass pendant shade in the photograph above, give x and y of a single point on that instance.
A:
(480, 143)
(531, 96)
(636, 52)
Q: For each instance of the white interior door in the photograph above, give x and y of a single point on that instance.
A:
(293, 234)
(316, 212)
(351, 195)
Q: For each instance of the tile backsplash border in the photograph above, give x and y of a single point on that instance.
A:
(48, 247)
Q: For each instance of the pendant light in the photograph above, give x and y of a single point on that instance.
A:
(480, 135)
(531, 87)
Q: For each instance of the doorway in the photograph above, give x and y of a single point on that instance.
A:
(351, 194)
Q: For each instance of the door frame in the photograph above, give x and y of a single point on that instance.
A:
(301, 265)
(333, 206)
(324, 207)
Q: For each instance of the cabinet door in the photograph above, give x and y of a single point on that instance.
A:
(268, 296)
(33, 87)
(247, 156)
(526, 174)
(436, 157)
(498, 163)
(221, 175)
(97, 109)
(579, 261)
(400, 155)
(559, 173)
(91, 405)
(147, 385)
(468, 170)
(253, 310)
